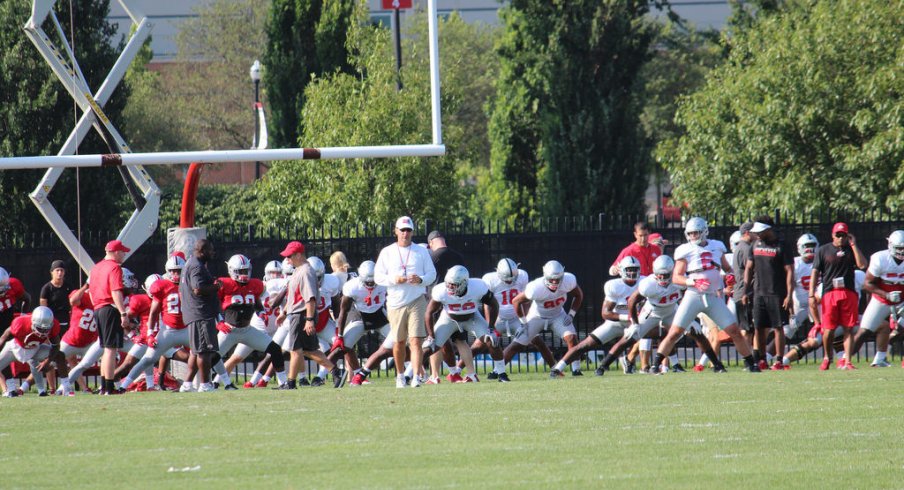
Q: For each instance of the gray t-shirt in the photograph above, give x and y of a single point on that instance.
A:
(741, 254)
(194, 307)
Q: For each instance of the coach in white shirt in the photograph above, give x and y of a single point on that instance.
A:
(405, 269)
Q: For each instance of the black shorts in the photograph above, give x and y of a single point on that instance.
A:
(202, 336)
(767, 311)
(109, 327)
(374, 321)
(300, 339)
(745, 322)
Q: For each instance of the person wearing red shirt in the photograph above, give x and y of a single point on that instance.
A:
(109, 308)
(83, 329)
(641, 250)
(11, 293)
(31, 339)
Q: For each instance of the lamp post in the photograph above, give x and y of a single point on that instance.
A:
(256, 79)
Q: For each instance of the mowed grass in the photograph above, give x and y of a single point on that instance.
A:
(796, 429)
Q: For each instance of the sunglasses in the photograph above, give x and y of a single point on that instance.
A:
(405, 230)
(841, 234)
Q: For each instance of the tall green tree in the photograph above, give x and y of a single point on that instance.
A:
(36, 115)
(306, 38)
(806, 115)
(564, 128)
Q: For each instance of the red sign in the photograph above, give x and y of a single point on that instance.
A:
(396, 4)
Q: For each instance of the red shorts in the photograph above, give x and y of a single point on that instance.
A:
(839, 309)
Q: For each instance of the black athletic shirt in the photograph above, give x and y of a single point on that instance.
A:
(444, 259)
(58, 301)
(832, 262)
(769, 261)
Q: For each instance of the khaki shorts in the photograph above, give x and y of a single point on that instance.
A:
(408, 321)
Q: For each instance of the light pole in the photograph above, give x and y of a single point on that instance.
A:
(256, 79)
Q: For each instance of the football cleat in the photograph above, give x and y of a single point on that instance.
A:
(248, 385)
(316, 381)
(848, 366)
(415, 382)
(646, 370)
(763, 365)
(357, 379)
(11, 394)
(207, 388)
(503, 378)
(778, 366)
(840, 363)
(577, 373)
(471, 379)
(883, 363)
(304, 382)
(699, 368)
(753, 369)
(230, 387)
(338, 378)
(600, 370)
(187, 389)
(826, 362)
(43, 393)
(433, 380)
(288, 385)
(454, 378)
(400, 382)
(492, 375)
(678, 368)
(556, 374)
(720, 369)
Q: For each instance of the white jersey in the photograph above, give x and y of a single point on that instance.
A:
(367, 300)
(703, 262)
(802, 273)
(888, 270)
(467, 304)
(505, 293)
(662, 299)
(329, 288)
(618, 291)
(546, 303)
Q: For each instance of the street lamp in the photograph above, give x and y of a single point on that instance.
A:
(256, 79)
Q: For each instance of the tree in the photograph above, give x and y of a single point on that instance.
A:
(36, 116)
(305, 38)
(806, 115)
(564, 127)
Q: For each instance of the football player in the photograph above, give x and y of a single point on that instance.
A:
(615, 314)
(274, 283)
(11, 293)
(803, 269)
(82, 333)
(460, 298)
(697, 265)
(547, 296)
(32, 339)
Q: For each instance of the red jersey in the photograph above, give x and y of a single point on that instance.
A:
(644, 255)
(166, 293)
(12, 295)
(82, 327)
(105, 277)
(238, 300)
(28, 339)
(140, 307)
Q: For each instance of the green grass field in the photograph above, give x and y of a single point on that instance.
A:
(796, 429)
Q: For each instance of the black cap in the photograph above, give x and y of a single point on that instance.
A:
(746, 227)
(434, 234)
(57, 264)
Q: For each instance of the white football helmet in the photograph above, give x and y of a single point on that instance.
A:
(553, 272)
(696, 225)
(128, 279)
(806, 245)
(4, 280)
(42, 320)
(273, 270)
(150, 280)
(287, 268)
(896, 244)
(319, 268)
(629, 268)
(457, 280)
(734, 240)
(239, 268)
(366, 273)
(507, 270)
(174, 266)
(662, 269)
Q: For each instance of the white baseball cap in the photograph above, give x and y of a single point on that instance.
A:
(404, 222)
(759, 227)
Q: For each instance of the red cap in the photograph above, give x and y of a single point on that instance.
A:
(292, 248)
(654, 237)
(840, 227)
(180, 254)
(116, 246)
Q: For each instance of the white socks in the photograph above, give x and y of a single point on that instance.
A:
(498, 367)
(281, 378)
(559, 366)
(703, 360)
(576, 366)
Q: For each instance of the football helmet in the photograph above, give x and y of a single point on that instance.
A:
(41, 320)
(174, 266)
(696, 225)
(319, 268)
(273, 270)
(553, 272)
(734, 240)
(896, 244)
(662, 269)
(239, 268)
(150, 280)
(806, 245)
(366, 273)
(507, 270)
(4, 280)
(128, 279)
(629, 268)
(457, 280)
(287, 268)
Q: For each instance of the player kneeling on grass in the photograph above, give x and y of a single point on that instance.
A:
(32, 339)
(460, 299)
(615, 314)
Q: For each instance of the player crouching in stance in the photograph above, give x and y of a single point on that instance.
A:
(697, 265)
(460, 298)
(662, 296)
(548, 295)
(32, 339)
(615, 314)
